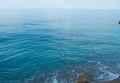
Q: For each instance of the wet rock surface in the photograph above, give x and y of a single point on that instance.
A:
(85, 77)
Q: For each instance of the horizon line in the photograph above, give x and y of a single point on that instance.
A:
(68, 8)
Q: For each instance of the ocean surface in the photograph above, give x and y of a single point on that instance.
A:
(56, 45)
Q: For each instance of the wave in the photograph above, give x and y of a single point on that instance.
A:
(105, 73)
(70, 75)
(102, 70)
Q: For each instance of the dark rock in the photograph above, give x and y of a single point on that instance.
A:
(119, 22)
(85, 77)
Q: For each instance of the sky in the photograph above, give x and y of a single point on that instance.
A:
(82, 4)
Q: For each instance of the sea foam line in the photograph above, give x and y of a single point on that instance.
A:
(104, 69)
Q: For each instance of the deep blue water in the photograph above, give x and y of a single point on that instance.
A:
(55, 46)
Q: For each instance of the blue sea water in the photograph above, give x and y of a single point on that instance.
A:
(56, 45)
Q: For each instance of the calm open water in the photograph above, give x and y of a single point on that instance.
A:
(55, 46)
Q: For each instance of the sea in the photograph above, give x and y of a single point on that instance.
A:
(57, 45)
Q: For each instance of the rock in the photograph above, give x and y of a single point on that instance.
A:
(85, 77)
(119, 22)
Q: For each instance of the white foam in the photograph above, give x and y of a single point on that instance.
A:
(55, 80)
(107, 75)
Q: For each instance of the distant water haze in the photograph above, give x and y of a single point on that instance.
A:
(82, 4)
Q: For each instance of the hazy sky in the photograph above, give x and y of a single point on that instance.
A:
(89, 4)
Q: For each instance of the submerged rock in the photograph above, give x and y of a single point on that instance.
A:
(85, 77)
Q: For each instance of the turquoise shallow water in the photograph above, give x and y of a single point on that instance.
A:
(55, 46)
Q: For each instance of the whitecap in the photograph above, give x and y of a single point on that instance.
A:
(106, 74)
(55, 80)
